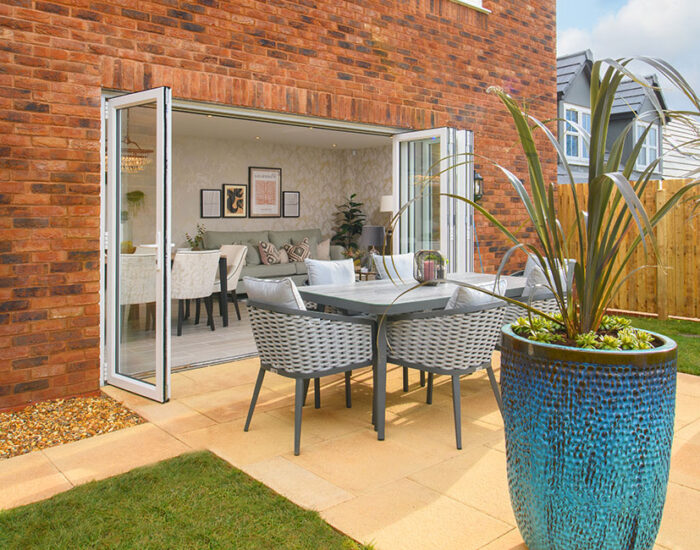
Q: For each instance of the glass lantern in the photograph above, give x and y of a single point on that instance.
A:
(428, 267)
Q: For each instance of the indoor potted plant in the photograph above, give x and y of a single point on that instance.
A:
(588, 402)
(349, 222)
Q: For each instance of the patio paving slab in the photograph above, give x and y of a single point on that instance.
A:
(114, 453)
(28, 478)
(405, 515)
(296, 483)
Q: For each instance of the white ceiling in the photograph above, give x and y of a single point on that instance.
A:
(213, 126)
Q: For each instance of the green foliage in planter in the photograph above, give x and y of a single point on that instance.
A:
(349, 222)
(196, 242)
(615, 333)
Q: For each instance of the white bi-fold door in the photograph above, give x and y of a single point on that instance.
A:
(137, 304)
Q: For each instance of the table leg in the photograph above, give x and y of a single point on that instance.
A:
(374, 375)
(380, 387)
(223, 295)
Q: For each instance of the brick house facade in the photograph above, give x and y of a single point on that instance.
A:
(413, 64)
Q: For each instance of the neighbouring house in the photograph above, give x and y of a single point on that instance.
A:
(681, 148)
(328, 98)
(632, 105)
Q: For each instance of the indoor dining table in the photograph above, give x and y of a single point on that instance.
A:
(383, 299)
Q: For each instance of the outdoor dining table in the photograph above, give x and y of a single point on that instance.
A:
(382, 300)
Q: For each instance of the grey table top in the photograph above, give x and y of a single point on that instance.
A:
(383, 297)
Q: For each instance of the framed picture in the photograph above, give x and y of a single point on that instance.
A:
(290, 204)
(210, 203)
(265, 199)
(235, 200)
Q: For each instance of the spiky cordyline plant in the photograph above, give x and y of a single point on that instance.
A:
(613, 208)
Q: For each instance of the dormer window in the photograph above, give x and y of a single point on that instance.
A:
(575, 146)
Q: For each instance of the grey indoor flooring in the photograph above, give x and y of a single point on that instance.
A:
(197, 346)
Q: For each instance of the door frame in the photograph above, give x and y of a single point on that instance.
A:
(160, 391)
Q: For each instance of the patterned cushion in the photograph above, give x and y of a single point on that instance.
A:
(298, 252)
(269, 253)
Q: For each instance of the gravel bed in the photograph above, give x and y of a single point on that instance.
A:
(59, 421)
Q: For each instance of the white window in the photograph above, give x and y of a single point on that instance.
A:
(650, 148)
(575, 146)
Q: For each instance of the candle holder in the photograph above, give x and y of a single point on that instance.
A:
(428, 267)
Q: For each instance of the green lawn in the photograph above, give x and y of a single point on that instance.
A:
(192, 501)
(685, 333)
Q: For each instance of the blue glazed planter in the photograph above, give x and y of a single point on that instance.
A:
(588, 442)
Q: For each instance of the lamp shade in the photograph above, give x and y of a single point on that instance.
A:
(387, 204)
(372, 236)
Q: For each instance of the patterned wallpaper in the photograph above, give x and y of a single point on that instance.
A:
(324, 177)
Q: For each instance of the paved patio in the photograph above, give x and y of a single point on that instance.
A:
(414, 490)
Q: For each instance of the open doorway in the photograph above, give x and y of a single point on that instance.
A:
(320, 167)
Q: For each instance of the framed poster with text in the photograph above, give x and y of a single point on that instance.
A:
(290, 204)
(265, 192)
(210, 203)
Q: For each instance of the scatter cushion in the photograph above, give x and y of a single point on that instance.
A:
(468, 297)
(396, 268)
(537, 286)
(284, 257)
(327, 272)
(323, 250)
(269, 254)
(253, 255)
(275, 292)
(298, 252)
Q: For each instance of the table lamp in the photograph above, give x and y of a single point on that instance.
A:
(387, 205)
(372, 238)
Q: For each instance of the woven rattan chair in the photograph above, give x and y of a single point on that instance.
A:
(451, 342)
(304, 345)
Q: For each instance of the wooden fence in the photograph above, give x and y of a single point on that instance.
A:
(674, 287)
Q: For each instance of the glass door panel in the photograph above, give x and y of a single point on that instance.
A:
(138, 182)
(428, 165)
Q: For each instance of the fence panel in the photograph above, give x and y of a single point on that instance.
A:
(673, 288)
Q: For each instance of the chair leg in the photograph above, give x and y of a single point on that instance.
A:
(254, 400)
(495, 388)
(122, 323)
(429, 397)
(151, 316)
(187, 309)
(235, 304)
(456, 404)
(209, 304)
(405, 379)
(348, 397)
(298, 404)
(198, 304)
(306, 389)
(180, 315)
(317, 393)
(422, 379)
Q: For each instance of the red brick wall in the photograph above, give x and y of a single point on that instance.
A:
(409, 63)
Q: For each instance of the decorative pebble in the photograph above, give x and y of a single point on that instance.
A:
(51, 423)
